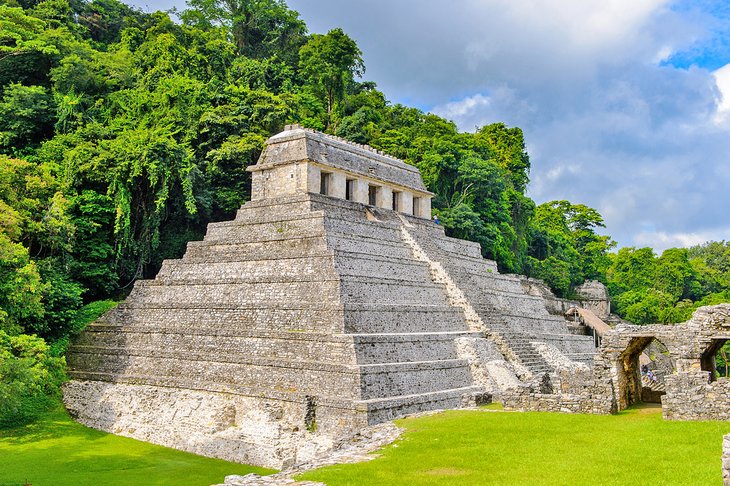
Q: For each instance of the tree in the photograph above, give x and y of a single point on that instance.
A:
(722, 360)
(146, 167)
(507, 146)
(259, 28)
(30, 378)
(26, 115)
(25, 49)
(329, 63)
(631, 268)
(566, 232)
(104, 20)
(21, 291)
(675, 275)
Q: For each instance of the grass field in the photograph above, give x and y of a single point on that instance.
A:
(455, 447)
(58, 451)
(635, 447)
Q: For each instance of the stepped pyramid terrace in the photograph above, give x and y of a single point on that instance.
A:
(333, 302)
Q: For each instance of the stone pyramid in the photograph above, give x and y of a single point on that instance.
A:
(331, 302)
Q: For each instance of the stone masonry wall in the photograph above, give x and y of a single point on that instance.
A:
(250, 430)
(691, 396)
(575, 389)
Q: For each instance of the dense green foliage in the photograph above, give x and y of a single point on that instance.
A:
(57, 450)
(29, 378)
(668, 288)
(483, 447)
(122, 134)
(565, 249)
(31, 371)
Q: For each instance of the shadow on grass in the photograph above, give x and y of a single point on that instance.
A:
(57, 423)
(57, 451)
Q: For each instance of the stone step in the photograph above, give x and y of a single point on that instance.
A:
(336, 348)
(372, 247)
(300, 269)
(477, 267)
(485, 281)
(361, 265)
(232, 232)
(364, 230)
(434, 241)
(455, 255)
(332, 317)
(239, 319)
(406, 347)
(241, 294)
(384, 409)
(267, 218)
(390, 318)
(394, 379)
(393, 291)
(237, 372)
(207, 251)
(534, 325)
(324, 348)
(507, 303)
(258, 210)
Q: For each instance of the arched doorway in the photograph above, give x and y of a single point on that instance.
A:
(715, 359)
(642, 368)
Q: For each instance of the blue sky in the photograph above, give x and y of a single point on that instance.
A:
(621, 101)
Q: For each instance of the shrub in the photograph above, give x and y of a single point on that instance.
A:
(83, 317)
(30, 378)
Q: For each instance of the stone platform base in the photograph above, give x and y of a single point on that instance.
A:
(242, 429)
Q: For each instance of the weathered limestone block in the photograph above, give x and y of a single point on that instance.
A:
(692, 396)
(556, 359)
(228, 426)
(488, 367)
(594, 297)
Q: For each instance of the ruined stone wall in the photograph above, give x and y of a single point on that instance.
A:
(691, 396)
(246, 429)
(570, 390)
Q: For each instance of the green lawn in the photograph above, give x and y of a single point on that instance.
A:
(456, 447)
(58, 451)
(635, 447)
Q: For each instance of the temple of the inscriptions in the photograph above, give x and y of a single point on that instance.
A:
(333, 302)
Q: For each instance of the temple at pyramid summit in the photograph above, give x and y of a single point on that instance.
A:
(333, 302)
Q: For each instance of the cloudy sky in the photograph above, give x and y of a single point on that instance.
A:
(621, 101)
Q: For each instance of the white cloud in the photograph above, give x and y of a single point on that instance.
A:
(469, 111)
(660, 240)
(722, 78)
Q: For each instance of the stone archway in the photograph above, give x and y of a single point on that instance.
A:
(633, 385)
(707, 359)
